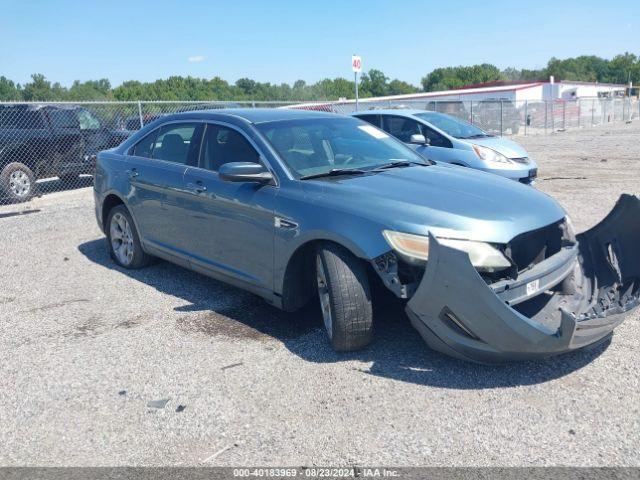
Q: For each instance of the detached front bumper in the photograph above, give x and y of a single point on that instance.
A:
(564, 305)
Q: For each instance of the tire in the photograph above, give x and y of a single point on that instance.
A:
(17, 182)
(123, 240)
(345, 298)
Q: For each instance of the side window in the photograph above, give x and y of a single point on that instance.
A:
(372, 119)
(144, 148)
(63, 119)
(87, 120)
(400, 127)
(223, 145)
(178, 143)
(435, 139)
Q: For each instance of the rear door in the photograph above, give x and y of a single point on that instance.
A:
(67, 142)
(156, 170)
(230, 225)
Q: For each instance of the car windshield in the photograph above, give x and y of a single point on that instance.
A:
(317, 146)
(452, 126)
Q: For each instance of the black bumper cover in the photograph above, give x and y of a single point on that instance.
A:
(457, 313)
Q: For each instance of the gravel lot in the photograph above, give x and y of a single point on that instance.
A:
(84, 346)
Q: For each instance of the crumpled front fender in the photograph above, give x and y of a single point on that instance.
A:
(458, 313)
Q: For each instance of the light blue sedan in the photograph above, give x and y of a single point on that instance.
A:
(444, 138)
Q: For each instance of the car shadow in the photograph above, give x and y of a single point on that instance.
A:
(398, 352)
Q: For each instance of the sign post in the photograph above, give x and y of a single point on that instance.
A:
(356, 66)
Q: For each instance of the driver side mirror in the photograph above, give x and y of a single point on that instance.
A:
(419, 139)
(245, 172)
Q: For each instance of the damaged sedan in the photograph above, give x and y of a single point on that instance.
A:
(297, 206)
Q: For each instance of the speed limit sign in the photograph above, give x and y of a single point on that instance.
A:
(356, 63)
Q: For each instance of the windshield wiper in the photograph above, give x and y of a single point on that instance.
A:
(335, 172)
(397, 164)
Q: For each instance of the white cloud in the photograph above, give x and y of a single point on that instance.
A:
(195, 59)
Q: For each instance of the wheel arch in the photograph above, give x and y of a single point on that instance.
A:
(297, 284)
(20, 153)
(110, 201)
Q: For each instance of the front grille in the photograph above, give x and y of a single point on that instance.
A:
(524, 160)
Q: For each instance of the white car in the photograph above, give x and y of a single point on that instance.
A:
(444, 138)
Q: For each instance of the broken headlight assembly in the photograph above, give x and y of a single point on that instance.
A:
(484, 257)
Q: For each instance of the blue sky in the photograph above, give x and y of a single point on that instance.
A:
(281, 41)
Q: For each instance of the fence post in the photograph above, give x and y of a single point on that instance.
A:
(546, 115)
(501, 119)
(140, 113)
(526, 116)
(471, 111)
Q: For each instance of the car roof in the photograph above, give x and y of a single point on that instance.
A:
(254, 115)
(400, 112)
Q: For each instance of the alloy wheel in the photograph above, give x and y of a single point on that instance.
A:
(121, 239)
(19, 183)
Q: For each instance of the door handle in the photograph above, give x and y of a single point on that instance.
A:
(197, 187)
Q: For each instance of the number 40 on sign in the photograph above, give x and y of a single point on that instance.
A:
(356, 63)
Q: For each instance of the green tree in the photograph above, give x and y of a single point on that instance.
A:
(39, 89)
(455, 77)
(9, 90)
(374, 84)
(398, 87)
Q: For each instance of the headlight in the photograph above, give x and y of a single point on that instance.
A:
(490, 155)
(482, 255)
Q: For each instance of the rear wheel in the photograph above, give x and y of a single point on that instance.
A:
(17, 182)
(124, 242)
(345, 298)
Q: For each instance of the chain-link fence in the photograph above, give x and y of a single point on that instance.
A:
(47, 147)
(505, 117)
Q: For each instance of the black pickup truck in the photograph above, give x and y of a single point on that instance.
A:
(41, 141)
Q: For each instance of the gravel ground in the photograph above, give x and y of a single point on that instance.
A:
(84, 346)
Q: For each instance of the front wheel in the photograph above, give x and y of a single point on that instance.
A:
(345, 298)
(17, 182)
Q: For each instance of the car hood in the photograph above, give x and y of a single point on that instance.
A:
(504, 146)
(446, 200)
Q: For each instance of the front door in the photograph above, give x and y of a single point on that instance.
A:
(402, 128)
(231, 225)
(68, 144)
